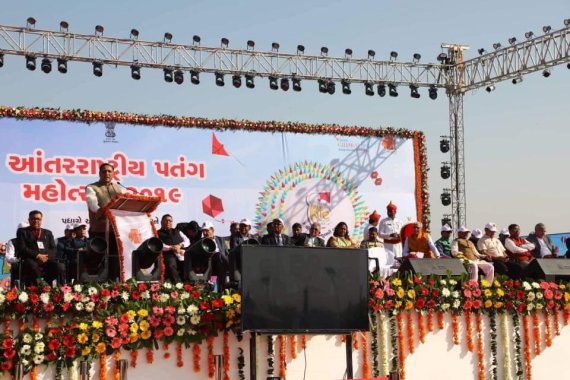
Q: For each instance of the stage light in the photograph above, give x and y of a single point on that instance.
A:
(528, 35)
(490, 88)
(30, 23)
(322, 86)
(275, 46)
(250, 45)
(300, 49)
(46, 65)
(236, 81)
(567, 66)
(347, 53)
(331, 87)
(481, 51)
(392, 90)
(1, 60)
(324, 51)
(443, 59)
(220, 80)
(497, 45)
(194, 77)
(134, 34)
(446, 197)
(512, 40)
(517, 80)
(393, 55)
(167, 37)
(417, 57)
(196, 40)
(249, 81)
(446, 220)
(546, 29)
(371, 54)
(98, 69)
(64, 26)
(225, 43)
(346, 87)
(546, 73)
(30, 62)
(444, 144)
(381, 89)
(297, 84)
(445, 170)
(369, 88)
(62, 65)
(168, 75)
(414, 91)
(147, 256)
(178, 77)
(99, 30)
(432, 91)
(135, 72)
(273, 83)
(284, 84)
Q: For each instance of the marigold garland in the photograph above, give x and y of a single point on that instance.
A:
(455, 328)
(282, 357)
(103, 366)
(196, 350)
(430, 325)
(527, 349)
(401, 348)
(226, 351)
(480, 352)
(179, 359)
(421, 327)
(116, 358)
(211, 360)
(566, 316)
(365, 362)
(547, 329)
(165, 348)
(536, 333)
(149, 355)
(468, 332)
(411, 332)
(355, 345)
(134, 358)
(556, 323)
(7, 326)
(293, 346)
(440, 320)
(303, 342)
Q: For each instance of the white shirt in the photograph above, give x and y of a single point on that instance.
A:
(491, 246)
(511, 247)
(389, 226)
(91, 197)
(544, 251)
(185, 243)
(11, 252)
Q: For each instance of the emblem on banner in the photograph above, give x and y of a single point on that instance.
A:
(110, 133)
(135, 236)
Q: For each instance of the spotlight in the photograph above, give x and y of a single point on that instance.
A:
(275, 46)
(46, 65)
(371, 54)
(442, 58)
(517, 80)
(331, 87)
(249, 83)
(30, 62)
(135, 72)
(1, 60)
(168, 75)
(134, 34)
(250, 45)
(324, 51)
(529, 35)
(194, 77)
(417, 57)
(481, 51)
(490, 88)
(446, 220)
(99, 30)
(445, 171)
(546, 29)
(64, 26)
(393, 55)
(381, 89)
(167, 37)
(346, 87)
(432, 91)
(369, 88)
(178, 77)
(220, 79)
(225, 43)
(300, 49)
(414, 91)
(273, 83)
(444, 144)
(512, 40)
(236, 81)
(347, 53)
(446, 197)
(546, 73)
(322, 86)
(297, 84)
(31, 23)
(62, 65)
(284, 84)
(98, 69)
(392, 90)
(196, 39)
(497, 45)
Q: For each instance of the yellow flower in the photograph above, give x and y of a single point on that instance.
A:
(134, 327)
(131, 314)
(85, 351)
(399, 304)
(396, 282)
(566, 296)
(496, 284)
(145, 334)
(236, 297)
(400, 293)
(83, 326)
(488, 304)
(100, 348)
(488, 293)
(143, 326)
(485, 283)
(142, 313)
(561, 286)
(133, 338)
(411, 293)
(498, 305)
(95, 338)
(409, 305)
(228, 299)
(82, 338)
(500, 292)
(97, 324)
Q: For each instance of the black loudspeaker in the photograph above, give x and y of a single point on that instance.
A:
(93, 264)
(146, 260)
(198, 261)
(548, 269)
(438, 267)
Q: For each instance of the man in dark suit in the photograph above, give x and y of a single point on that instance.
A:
(37, 250)
(277, 237)
(242, 235)
(298, 238)
(313, 239)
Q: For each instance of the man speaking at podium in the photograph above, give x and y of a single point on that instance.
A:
(98, 195)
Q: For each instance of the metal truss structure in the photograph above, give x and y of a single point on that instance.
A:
(452, 73)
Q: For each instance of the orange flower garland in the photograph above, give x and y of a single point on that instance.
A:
(303, 342)
(116, 358)
(179, 359)
(547, 329)
(149, 355)
(365, 362)
(421, 327)
(211, 361)
(527, 359)
(7, 327)
(440, 320)
(455, 328)
(480, 352)
(536, 333)
(430, 325)
(165, 348)
(134, 358)
(566, 316)
(103, 366)
(355, 341)
(468, 332)
(401, 343)
(556, 323)
(293, 346)
(411, 333)
(282, 356)
(196, 357)
(226, 348)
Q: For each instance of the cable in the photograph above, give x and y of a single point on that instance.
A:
(305, 369)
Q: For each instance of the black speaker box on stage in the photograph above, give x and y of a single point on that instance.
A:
(548, 269)
(438, 267)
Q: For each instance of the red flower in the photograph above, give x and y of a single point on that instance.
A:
(218, 303)
(124, 318)
(142, 287)
(435, 293)
(116, 342)
(520, 294)
(56, 297)
(9, 354)
(70, 352)
(477, 304)
(467, 293)
(20, 308)
(195, 294)
(467, 305)
(135, 295)
(204, 306)
(521, 308)
(188, 287)
(476, 292)
(420, 303)
(168, 331)
(557, 295)
(48, 307)
(65, 306)
(431, 282)
(417, 280)
(170, 309)
(34, 298)
(6, 366)
(424, 291)
(105, 293)
(52, 356)
(431, 304)
(69, 340)
(548, 294)
(7, 343)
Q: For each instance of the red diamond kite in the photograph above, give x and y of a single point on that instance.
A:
(212, 206)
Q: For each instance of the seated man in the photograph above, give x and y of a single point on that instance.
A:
(543, 247)
(220, 262)
(298, 237)
(36, 247)
(518, 248)
(243, 234)
(443, 244)
(78, 246)
(64, 243)
(277, 237)
(463, 248)
(373, 240)
(490, 246)
(314, 239)
(420, 244)
(174, 242)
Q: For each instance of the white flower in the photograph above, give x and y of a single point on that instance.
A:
(192, 309)
(125, 296)
(181, 310)
(184, 295)
(536, 285)
(530, 296)
(27, 338)
(530, 306)
(67, 297)
(163, 297)
(191, 331)
(26, 349)
(38, 336)
(180, 332)
(455, 294)
(90, 306)
(23, 297)
(85, 299)
(179, 285)
(77, 287)
(539, 296)
(445, 306)
(526, 285)
(456, 304)
(452, 282)
(445, 292)
(2, 298)
(145, 295)
(79, 306)
(38, 359)
(195, 319)
(91, 291)
(180, 320)
(44, 297)
(39, 347)
(167, 285)
(25, 362)
(539, 306)
(442, 282)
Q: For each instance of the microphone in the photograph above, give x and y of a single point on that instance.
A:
(127, 188)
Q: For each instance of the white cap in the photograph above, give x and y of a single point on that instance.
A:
(463, 229)
(491, 226)
(68, 227)
(446, 228)
(245, 221)
(477, 233)
(279, 219)
(207, 225)
(23, 225)
(505, 232)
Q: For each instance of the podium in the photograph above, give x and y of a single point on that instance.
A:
(129, 217)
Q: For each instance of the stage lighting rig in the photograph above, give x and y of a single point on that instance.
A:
(64, 26)
(324, 51)
(546, 73)
(285, 84)
(446, 197)
(168, 75)
(134, 34)
(481, 51)
(444, 144)
(346, 87)
(62, 65)
(236, 81)
(528, 35)
(546, 29)
(46, 65)
(220, 79)
(393, 56)
(30, 62)
(347, 53)
(490, 88)
(446, 220)
(432, 91)
(567, 22)
(371, 54)
(250, 45)
(330, 87)
(167, 37)
(300, 49)
(392, 90)
(296, 84)
(273, 83)
(443, 58)
(99, 29)
(417, 57)
(98, 69)
(249, 81)
(136, 72)
(275, 47)
(194, 77)
(369, 88)
(1, 59)
(381, 89)
(224, 43)
(497, 45)
(30, 23)
(196, 40)
(414, 93)
(445, 170)
(512, 40)
(178, 77)
(517, 80)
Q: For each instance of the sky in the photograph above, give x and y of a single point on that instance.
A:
(516, 138)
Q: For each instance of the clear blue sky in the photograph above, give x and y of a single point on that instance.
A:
(516, 137)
